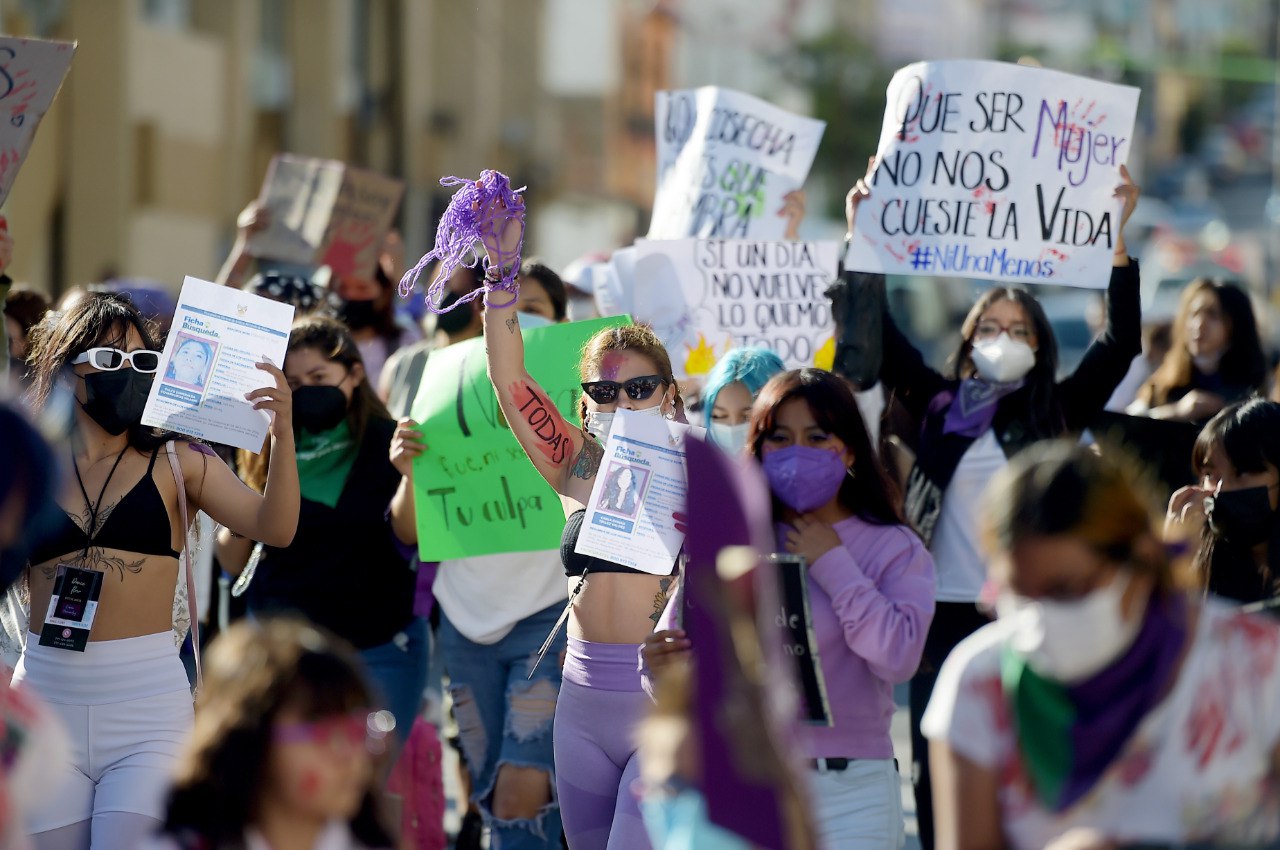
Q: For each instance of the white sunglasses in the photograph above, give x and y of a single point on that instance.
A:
(111, 359)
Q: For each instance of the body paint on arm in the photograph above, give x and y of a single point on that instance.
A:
(544, 421)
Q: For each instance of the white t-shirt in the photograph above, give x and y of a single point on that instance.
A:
(484, 597)
(1195, 769)
(957, 558)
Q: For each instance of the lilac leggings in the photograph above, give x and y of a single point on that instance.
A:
(596, 764)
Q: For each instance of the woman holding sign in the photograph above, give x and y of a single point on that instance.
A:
(1001, 395)
(1108, 705)
(612, 607)
(102, 648)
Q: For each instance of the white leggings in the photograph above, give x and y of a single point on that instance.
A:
(127, 707)
(859, 808)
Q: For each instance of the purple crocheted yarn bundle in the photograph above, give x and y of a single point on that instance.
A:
(475, 217)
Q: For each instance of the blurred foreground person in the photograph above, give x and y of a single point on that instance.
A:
(1106, 706)
(284, 748)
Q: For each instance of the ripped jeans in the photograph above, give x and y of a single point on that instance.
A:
(504, 717)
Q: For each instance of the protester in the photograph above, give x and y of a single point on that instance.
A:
(1231, 514)
(23, 310)
(348, 568)
(496, 610)
(730, 390)
(306, 297)
(34, 737)
(601, 698)
(368, 309)
(1107, 706)
(1157, 338)
(126, 697)
(284, 749)
(1001, 395)
(1215, 357)
(870, 584)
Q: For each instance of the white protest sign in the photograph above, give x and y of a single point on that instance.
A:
(640, 487)
(218, 337)
(31, 72)
(325, 212)
(725, 161)
(996, 171)
(703, 297)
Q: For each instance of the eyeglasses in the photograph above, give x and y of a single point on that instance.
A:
(638, 389)
(988, 329)
(111, 359)
(361, 729)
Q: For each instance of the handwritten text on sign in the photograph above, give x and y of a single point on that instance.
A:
(725, 161)
(31, 72)
(703, 297)
(996, 171)
(475, 491)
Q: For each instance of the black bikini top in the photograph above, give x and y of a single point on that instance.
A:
(576, 564)
(139, 523)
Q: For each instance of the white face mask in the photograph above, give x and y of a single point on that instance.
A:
(1071, 641)
(529, 321)
(1002, 359)
(656, 410)
(731, 438)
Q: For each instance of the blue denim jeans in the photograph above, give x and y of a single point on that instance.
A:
(504, 717)
(398, 672)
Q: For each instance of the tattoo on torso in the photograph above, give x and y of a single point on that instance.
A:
(96, 559)
(587, 463)
(660, 600)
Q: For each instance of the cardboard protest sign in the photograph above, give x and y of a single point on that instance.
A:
(996, 171)
(475, 491)
(725, 161)
(703, 297)
(31, 72)
(324, 212)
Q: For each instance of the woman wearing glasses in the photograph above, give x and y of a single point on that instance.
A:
(1000, 395)
(612, 608)
(124, 694)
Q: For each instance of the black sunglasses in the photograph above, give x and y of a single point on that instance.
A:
(638, 389)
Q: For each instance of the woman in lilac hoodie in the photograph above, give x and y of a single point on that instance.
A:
(870, 592)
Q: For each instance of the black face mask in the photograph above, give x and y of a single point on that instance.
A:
(115, 400)
(318, 408)
(1243, 517)
(456, 320)
(357, 314)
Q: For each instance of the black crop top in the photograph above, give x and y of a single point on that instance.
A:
(139, 522)
(576, 564)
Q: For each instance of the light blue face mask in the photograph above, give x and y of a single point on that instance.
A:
(679, 822)
(529, 321)
(731, 438)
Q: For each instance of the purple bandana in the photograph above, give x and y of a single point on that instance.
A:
(974, 406)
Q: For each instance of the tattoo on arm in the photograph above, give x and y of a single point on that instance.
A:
(512, 323)
(660, 600)
(587, 463)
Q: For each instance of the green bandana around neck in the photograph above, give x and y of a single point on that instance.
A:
(1044, 716)
(324, 461)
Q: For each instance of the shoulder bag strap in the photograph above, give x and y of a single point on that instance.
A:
(172, 451)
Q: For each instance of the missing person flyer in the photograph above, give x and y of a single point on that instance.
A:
(219, 335)
(640, 487)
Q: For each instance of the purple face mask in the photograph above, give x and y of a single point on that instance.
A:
(804, 478)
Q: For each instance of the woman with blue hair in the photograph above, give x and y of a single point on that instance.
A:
(732, 386)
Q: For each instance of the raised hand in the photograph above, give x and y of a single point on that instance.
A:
(277, 399)
(859, 193)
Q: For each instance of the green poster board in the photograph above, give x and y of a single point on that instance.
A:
(475, 490)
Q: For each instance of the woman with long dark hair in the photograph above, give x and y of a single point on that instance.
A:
(285, 747)
(1215, 357)
(870, 584)
(1000, 395)
(348, 569)
(1107, 705)
(1230, 515)
(125, 695)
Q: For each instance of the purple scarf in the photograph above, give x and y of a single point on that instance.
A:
(974, 406)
